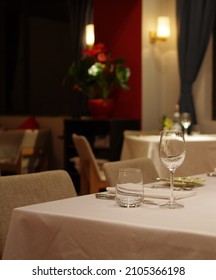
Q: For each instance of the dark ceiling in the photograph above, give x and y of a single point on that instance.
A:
(50, 9)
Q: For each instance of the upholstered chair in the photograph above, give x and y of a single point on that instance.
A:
(146, 165)
(27, 189)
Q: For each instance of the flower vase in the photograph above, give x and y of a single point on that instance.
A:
(101, 108)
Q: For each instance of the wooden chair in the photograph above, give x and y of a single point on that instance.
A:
(26, 189)
(92, 177)
(24, 151)
(146, 165)
(10, 151)
(36, 150)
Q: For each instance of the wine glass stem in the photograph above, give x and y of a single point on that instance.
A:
(185, 131)
(172, 199)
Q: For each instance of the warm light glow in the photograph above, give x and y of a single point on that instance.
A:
(90, 37)
(163, 27)
(163, 30)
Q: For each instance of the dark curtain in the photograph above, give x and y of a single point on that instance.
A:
(195, 19)
(12, 29)
(81, 13)
(214, 74)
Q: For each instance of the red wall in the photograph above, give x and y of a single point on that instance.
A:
(118, 25)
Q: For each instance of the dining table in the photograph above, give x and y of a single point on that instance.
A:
(90, 228)
(200, 152)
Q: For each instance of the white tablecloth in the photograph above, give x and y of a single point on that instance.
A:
(200, 153)
(88, 228)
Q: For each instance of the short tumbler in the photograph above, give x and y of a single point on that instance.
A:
(129, 188)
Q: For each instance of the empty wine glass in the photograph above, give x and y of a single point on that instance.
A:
(172, 154)
(185, 121)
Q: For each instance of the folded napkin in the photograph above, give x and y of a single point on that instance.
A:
(160, 193)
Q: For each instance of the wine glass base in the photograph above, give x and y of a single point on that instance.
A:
(172, 205)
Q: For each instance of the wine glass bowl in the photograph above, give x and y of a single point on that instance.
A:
(185, 121)
(172, 154)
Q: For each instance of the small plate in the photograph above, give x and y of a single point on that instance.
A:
(188, 181)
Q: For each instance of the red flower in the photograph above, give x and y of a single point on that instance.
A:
(96, 49)
(100, 48)
(102, 57)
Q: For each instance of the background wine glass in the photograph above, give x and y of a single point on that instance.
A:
(172, 154)
(185, 121)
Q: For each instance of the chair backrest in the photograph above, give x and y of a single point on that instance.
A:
(146, 165)
(92, 176)
(10, 151)
(26, 189)
(36, 150)
(85, 152)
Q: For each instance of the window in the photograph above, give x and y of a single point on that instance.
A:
(36, 51)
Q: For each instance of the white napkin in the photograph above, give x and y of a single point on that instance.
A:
(160, 193)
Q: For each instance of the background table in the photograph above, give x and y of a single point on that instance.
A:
(200, 153)
(88, 228)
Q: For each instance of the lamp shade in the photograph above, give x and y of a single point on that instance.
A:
(163, 27)
(90, 37)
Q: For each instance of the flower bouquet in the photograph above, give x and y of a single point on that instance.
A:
(97, 74)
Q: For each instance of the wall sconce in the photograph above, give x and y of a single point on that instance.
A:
(90, 37)
(163, 30)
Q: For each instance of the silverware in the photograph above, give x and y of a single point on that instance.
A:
(187, 183)
(105, 196)
(161, 187)
(158, 186)
(158, 179)
(112, 197)
(185, 187)
(211, 174)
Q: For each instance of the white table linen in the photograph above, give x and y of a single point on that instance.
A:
(200, 153)
(88, 228)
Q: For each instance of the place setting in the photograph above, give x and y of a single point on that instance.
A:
(152, 193)
(131, 192)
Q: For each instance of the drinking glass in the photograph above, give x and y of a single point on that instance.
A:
(129, 188)
(185, 121)
(172, 154)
